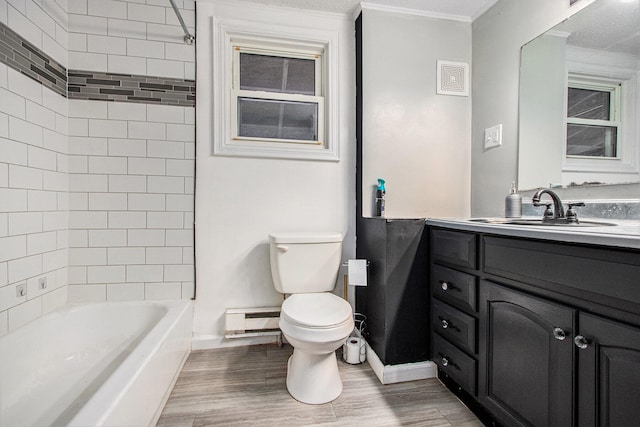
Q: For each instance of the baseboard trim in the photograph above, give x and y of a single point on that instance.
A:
(391, 374)
(208, 342)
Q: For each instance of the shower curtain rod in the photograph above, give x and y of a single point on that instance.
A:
(188, 38)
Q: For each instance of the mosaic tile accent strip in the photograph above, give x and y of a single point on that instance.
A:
(100, 86)
(26, 58)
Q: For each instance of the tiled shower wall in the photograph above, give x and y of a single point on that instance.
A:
(104, 208)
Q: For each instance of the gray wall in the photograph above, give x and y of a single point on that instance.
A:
(497, 37)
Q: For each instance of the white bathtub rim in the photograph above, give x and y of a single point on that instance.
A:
(110, 393)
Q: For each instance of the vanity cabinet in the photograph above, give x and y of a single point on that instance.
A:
(558, 328)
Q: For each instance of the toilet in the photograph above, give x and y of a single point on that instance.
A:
(313, 320)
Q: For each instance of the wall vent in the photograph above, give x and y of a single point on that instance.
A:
(453, 78)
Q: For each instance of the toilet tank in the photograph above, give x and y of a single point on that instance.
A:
(305, 262)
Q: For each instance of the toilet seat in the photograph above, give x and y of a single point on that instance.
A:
(321, 310)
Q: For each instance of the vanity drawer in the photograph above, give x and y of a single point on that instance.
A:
(460, 367)
(454, 325)
(455, 287)
(454, 247)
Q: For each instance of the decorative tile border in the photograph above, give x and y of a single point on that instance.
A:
(26, 58)
(101, 86)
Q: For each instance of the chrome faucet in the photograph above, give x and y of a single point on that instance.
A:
(557, 215)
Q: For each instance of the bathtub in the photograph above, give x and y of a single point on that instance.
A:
(106, 364)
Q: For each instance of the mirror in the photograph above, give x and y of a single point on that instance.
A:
(579, 107)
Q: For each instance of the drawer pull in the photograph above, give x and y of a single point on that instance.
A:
(559, 334)
(445, 324)
(444, 286)
(581, 342)
(447, 362)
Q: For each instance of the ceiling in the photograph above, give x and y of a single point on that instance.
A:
(460, 9)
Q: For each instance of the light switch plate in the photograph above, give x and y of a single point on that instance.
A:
(493, 136)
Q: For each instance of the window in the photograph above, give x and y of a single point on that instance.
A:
(277, 95)
(593, 118)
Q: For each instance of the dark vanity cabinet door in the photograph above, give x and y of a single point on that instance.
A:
(608, 373)
(526, 358)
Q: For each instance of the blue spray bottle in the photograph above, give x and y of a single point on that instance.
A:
(380, 192)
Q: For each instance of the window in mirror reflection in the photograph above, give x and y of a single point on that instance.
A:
(593, 118)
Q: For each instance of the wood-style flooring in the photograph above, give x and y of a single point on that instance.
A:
(245, 386)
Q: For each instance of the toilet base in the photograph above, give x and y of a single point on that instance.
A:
(313, 378)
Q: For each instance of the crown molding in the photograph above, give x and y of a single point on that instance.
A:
(416, 12)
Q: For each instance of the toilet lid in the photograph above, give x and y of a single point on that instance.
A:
(316, 310)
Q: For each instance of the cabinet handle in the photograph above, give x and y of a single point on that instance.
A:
(581, 342)
(445, 324)
(559, 334)
(445, 361)
(445, 286)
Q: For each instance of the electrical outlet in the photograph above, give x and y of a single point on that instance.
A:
(42, 283)
(21, 290)
(493, 136)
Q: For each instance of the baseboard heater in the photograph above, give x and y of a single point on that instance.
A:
(252, 322)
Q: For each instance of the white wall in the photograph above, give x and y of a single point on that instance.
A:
(497, 37)
(33, 172)
(416, 140)
(239, 201)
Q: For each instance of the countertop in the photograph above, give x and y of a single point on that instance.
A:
(625, 234)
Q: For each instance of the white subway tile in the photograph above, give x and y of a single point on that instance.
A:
(165, 68)
(107, 201)
(165, 33)
(55, 141)
(145, 130)
(3, 274)
(62, 239)
(87, 61)
(43, 21)
(125, 291)
(161, 291)
(127, 184)
(107, 238)
(107, 165)
(24, 177)
(144, 273)
(55, 181)
(23, 268)
(139, 12)
(126, 111)
(23, 131)
(87, 293)
(22, 314)
(126, 28)
(190, 115)
(128, 147)
(179, 238)
(165, 220)
(77, 6)
(33, 285)
(13, 152)
(178, 273)
(185, 133)
(146, 202)
(188, 255)
(24, 86)
(145, 237)
(164, 256)
(87, 109)
(188, 291)
(55, 221)
(88, 182)
(180, 52)
(126, 256)
(106, 44)
(63, 164)
(165, 113)
(145, 48)
(54, 102)
(55, 50)
(77, 126)
(165, 184)
(42, 159)
(87, 256)
(55, 259)
(25, 223)
(188, 220)
(107, 128)
(4, 125)
(146, 166)
(18, 22)
(165, 149)
(127, 64)
(77, 275)
(12, 248)
(40, 115)
(180, 167)
(78, 238)
(85, 219)
(189, 185)
(3, 18)
(13, 200)
(127, 219)
(188, 16)
(12, 104)
(77, 42)
(85, 24)
(9, 299)
(79, 201)
(78, 164)
(106, 274)
(86, 145)
(4, 175)
(107, 8)
(42, 200)
(53, 300)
